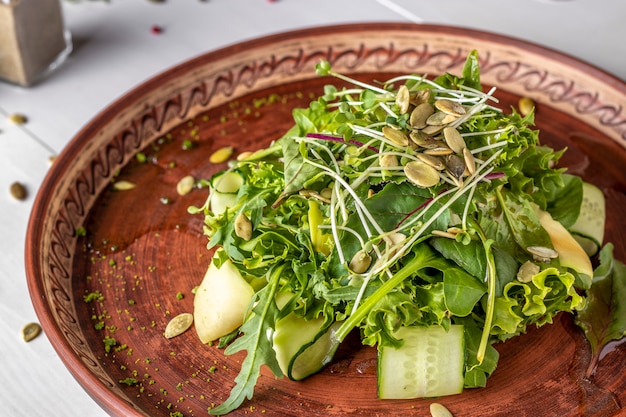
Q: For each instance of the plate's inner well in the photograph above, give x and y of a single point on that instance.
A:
(142, 254)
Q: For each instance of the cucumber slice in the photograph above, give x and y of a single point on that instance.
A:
(588, 229)
(430, 363)
(224, 188)
(221, 302)
(302, 346)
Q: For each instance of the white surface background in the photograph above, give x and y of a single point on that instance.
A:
(114, 50)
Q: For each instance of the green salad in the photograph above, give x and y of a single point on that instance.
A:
(413, 211)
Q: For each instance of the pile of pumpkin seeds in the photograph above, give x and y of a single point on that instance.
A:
(433, 136)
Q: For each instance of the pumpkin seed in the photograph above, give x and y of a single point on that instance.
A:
(394, 242)
(18, 191)
(403, 99)
(178, 325)
(441, 150)
(360, 262)
(421, 174)
(123, 185)
(455, 166)
(421, 96)
(244, 155)
(423, 140)
(440, 118)
(396, 136)
(526, 105)
(185, 185)
(243, 227)
(221, 155)
(18, 119)
(470, 162)
(454, 139)
(387, 160)
(527, 271)
(30, 331)
(542, 253)
(450, 107)
(432, 160)
(432, 129)
(420, 114)
(438, 410)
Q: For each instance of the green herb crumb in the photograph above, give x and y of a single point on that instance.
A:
(129, 381)
(93, 296)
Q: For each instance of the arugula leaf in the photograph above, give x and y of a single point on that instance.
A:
(257, 343)
(603, 318)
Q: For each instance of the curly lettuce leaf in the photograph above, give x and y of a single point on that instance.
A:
(535, 302)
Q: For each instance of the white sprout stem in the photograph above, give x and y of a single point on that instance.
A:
(361, 209)
(359, 296)
(489, 147)
(359, 83)
(346, 229)
(334, 227)
(388, 109)
(466, 208)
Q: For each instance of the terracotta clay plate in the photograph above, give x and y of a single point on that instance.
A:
(108, 269)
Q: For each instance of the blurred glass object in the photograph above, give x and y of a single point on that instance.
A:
(33, 40)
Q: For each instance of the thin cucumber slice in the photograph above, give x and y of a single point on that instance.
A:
(224, 188)
(227, 182)
(302, 346)
(588, 229)
(430, 363)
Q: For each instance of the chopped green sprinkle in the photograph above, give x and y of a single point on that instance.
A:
(109, 342)
(180, 296)
(93, 296)
(129, 381)
(81, 231)
(187, 144)
(141, 157)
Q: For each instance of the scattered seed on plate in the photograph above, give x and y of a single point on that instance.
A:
(18, 191)
(526, 105)
(123, 185)
(221, 155)
(438, 410)
(17, 118)
(156, 29)
(51, 159)
(185, 185)
(178, 325)
(30, 331)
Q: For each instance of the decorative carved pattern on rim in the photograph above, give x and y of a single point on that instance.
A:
(80, 192)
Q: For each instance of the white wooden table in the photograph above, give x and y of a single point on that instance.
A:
(115, 49)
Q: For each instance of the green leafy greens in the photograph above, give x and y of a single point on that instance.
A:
(344, 229)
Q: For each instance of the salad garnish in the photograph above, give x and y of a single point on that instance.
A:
(413, 211)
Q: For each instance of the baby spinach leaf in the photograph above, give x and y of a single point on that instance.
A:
(462, 291)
